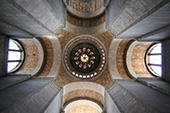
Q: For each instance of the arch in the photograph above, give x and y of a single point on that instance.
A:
(135, 59)
(112, 59)
(117, 59)
(83, 90)
(51, 57)
(56, 62)
(93, 26)
(84, 106)
(34, 53)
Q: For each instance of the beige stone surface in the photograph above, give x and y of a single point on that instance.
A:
(64, 78)
(138, 61)
(34, 56)
(83, 94)
(120, 61)
(81, 6)
(48, 57)
(91, 22)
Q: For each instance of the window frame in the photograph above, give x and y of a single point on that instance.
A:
(147, 64)
(22, 55)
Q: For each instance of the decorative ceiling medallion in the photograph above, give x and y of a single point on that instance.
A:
(84, 57)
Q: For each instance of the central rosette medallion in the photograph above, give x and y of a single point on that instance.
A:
(84, 57)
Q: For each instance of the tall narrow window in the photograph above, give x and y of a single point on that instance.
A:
(15, 55)
(153, 61)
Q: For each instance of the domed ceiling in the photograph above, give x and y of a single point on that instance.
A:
(85, 44)
(84, 57)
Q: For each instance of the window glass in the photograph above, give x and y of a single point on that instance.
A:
(156, 69)
(155, 59)
(13, 45)
(156, 49)
(12, 65)
(15, 57)
(154, 62)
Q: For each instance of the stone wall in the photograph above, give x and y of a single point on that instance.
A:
(141, 97)
(113, 9)
(32, 16)
(31, 96)
(131, 96)
(34, 56)
(165, 60)
(3, 54)
(110, 106)
(48, 57)
(132, 12)
(52, 57)
(40, 11)
(82, 22)
(86, 5)
(120, 59)
(136, 59)
(56, 104)
(83, 90)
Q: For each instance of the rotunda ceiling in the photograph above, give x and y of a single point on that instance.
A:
(84, 57)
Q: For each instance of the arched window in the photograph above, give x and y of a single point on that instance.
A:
(83, 106)
(154, 60)
(15, 55)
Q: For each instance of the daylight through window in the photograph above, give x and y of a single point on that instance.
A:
(15, 56)
(154, 62)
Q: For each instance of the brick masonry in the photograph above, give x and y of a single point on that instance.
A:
(48, 57)
(64, 78)
(83, 94)
(138, 61)
(31, 58)
(120, 61)
(90, 6)
(91, 22)
(85, 26)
